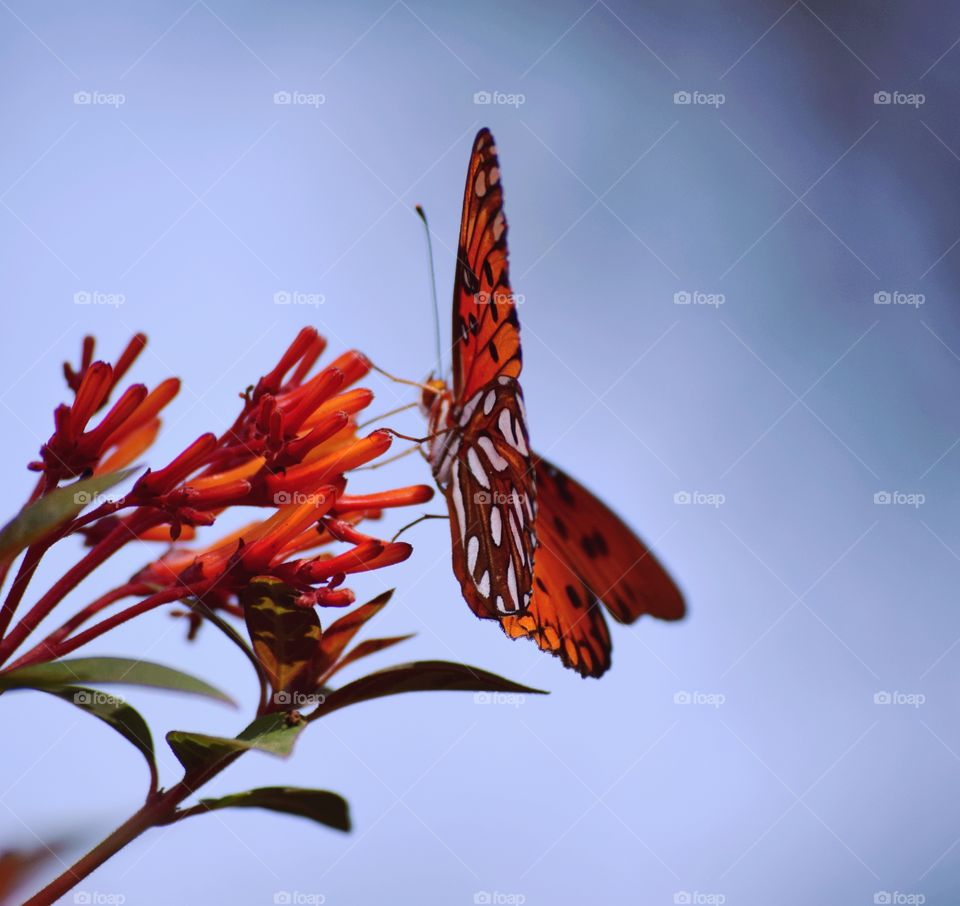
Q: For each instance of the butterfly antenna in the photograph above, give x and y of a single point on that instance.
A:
(433, 286)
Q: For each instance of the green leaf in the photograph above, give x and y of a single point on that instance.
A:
(420, 676)
(317, 805)
(286, 638)
(38, 519)
(114, 712)
(272, 733)
(340, 632)
(364, 649)
(108, 670)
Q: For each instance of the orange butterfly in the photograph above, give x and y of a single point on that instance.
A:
(532, 548)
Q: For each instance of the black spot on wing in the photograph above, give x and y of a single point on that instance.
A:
(494, 352)
(574, 597)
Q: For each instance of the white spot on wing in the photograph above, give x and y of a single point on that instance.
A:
(496, 460)
(476, 468)
(516, 537)
(496, 525)
(468, 410)
(457, 496)
(483, 586)
(473, 551)
(512, 586)
(488, 401)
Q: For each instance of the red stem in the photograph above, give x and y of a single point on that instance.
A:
(78, 619)
(102, 551)
(45, 652)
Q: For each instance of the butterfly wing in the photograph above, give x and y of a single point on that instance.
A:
(491, 497)
(587, 556)
(486, 334)
(564, 617)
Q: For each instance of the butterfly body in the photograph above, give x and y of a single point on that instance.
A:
(532, 548)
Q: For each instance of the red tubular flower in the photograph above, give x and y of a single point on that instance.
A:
(290, 450)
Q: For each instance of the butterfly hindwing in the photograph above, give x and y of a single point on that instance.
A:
(564, 617)
(491, 497)
(587, 556)
(613, 562)
(486, 334)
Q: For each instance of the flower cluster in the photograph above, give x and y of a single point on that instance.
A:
(288, 451)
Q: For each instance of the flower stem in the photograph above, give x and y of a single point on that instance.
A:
(156, 811)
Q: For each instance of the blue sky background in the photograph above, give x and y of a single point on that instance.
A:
(798, 399)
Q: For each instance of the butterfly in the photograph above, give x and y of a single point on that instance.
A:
(532, 548)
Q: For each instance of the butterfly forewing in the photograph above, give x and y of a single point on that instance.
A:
(486, 336)
(491, 496)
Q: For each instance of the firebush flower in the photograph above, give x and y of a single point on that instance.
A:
(289, 452)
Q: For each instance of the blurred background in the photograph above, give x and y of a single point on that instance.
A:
(735, 229)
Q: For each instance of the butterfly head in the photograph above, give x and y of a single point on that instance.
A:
(434, 391)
